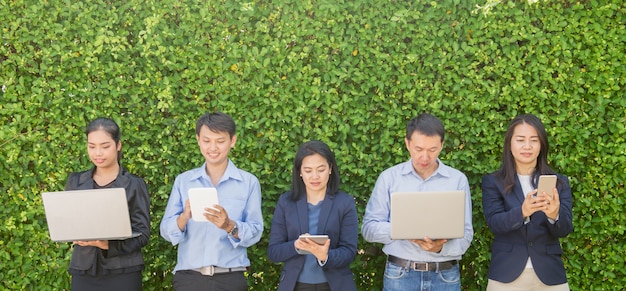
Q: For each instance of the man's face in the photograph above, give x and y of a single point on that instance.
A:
(215, 146)
(424, 151)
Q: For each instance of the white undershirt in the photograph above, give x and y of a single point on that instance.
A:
(527, 186)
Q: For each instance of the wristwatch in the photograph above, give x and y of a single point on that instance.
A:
(233, 232)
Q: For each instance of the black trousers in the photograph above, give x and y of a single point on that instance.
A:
(125, 281)
(193, 281)
(311, 287)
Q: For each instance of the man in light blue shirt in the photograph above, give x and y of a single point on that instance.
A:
(420, 264)
(212, 255)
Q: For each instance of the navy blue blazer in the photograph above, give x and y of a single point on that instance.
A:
(514, 241)
(338, 220)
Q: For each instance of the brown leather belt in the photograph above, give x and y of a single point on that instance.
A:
(422, 266)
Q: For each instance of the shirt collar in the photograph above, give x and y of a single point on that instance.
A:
(122, 178)
(232, 172)
(442, 170)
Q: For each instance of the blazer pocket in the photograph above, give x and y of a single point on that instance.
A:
(502, 247)
(554, 249)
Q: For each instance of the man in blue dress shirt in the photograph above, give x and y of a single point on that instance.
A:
(212, 255)
(420, 264)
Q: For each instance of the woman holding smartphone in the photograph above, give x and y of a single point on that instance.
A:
(314, 205)
(110, 264)
(526, 253)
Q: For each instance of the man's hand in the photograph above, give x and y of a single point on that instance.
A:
(184, 217)
(429, 245)
(218, 216)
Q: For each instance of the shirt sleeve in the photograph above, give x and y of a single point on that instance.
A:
(175, 206)
(250, 227)
(499, 219)
(376, 227)
(139, 207)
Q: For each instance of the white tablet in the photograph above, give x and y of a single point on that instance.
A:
(199, 199)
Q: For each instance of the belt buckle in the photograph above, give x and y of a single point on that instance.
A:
(417, 266)
(208, 270)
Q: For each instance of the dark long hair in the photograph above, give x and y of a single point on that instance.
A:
(507, 172)
(110, 127)
(298, 189)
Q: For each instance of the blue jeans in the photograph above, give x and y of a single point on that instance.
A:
(405, 279)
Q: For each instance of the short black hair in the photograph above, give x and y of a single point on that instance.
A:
(426, 124)
(217, 122)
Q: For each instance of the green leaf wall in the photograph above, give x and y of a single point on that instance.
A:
(350, 73)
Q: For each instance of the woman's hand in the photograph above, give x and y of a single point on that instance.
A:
(102, 244)
(554, 204)
(533, 203)
(319, 251)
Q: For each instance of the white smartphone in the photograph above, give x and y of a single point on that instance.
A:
(319, 239)
(546, 184)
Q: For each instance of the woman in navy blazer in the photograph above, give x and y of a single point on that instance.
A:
(526, 253)
(314, 205)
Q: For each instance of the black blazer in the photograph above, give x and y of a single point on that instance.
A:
(338, 219)
(122, 254)
(514, 241)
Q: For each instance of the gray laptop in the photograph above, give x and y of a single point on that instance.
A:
(437, 215)
(98, 214)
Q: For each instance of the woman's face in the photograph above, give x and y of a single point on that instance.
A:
(102, 149)
(315, 172)
(525, 148)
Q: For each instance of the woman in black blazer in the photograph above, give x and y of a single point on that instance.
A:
(315, 205)
(526, 253)
(110, 264)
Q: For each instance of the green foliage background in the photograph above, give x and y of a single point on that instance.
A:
(350, 73)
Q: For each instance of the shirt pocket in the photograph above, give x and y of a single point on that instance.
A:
(235, 207)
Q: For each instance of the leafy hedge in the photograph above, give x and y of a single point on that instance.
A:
(350, 73)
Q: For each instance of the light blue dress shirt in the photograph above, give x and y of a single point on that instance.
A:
(402, 177)
(203, 244)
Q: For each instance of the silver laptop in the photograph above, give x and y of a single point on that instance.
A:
(98, 214)
(437, 215)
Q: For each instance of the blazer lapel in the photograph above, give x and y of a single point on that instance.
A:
(302, 209)
(518, 192)
(327, 206)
